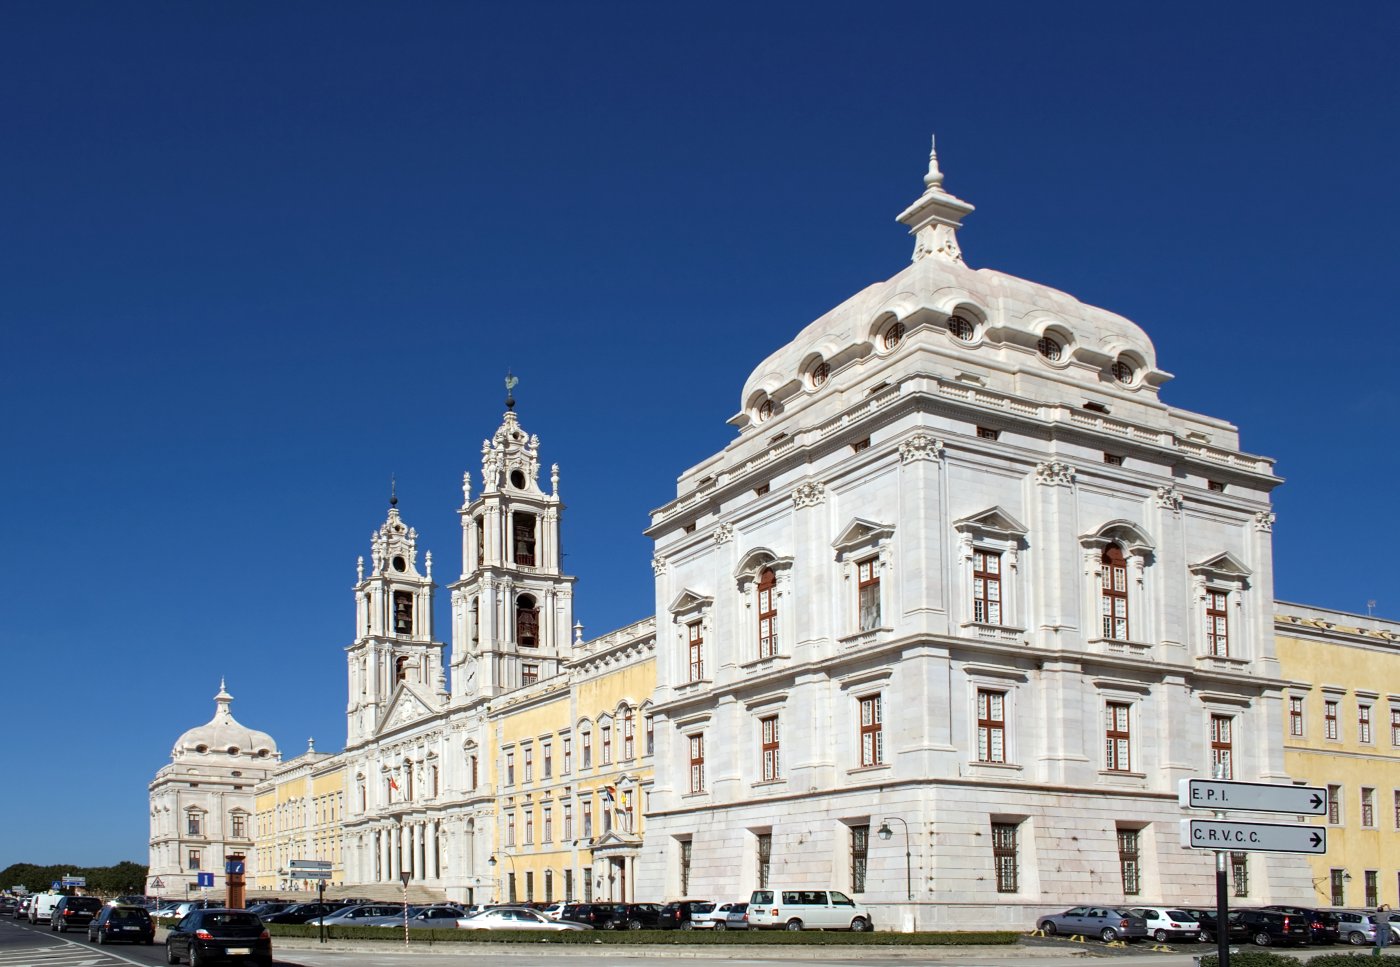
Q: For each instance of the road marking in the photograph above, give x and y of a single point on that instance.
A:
(59, 951)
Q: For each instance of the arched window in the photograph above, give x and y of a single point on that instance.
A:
(767, 613)
(524, 539)
(527, 622)
(403, 613)
(1114, 593)
(401, 668)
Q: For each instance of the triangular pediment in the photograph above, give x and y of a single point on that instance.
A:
(408, 704)
(616, 839)
(1226, 564)
(861, 533)
(689, 600)
(994, 520)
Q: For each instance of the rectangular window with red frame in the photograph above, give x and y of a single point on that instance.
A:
(769, 748)
(872, 737)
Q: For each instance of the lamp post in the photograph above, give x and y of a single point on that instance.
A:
(884, 832)
(492, 863)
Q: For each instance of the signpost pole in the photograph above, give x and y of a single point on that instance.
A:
(405, 876)
(1222, 910)
(321, 897)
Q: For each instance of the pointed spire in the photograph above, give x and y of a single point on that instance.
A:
(935, 216)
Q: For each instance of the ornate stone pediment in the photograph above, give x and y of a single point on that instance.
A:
(409, 704)
(860, 532)
(994, 521)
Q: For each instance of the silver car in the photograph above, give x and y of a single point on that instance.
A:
(515, 918)
(1106, 923)
(1358, 927)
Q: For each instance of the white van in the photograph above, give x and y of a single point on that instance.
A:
(41, 910)
(802, 909)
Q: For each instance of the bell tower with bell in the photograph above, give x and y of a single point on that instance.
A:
(512, 608)
(394, 644)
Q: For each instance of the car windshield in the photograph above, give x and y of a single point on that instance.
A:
(230, 919)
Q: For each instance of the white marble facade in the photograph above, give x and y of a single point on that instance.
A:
(938, 433)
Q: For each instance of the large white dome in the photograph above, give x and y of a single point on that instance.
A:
(225, 736)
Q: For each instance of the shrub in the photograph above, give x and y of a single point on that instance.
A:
(1355, 960)
(1255, 958)
(675, 938)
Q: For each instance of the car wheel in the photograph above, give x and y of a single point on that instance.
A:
(1263, 939)
(687, 925)
(1108, 935)
(719, 925)
(860, 925)
(195, 959)
(634, 924)
(793, 924)
(100, 938)
(1356, 938)
(170, 957)
(1049, 928)
(1160, 936)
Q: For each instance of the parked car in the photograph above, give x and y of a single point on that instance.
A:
(119, 922)
(1236, 932)
(515, 918)
(682, 914)
(1358, 927)
(1268, 927)
(268, 907)
(302, 912)
(736, 919)
(716, 917)
(439, 916)
(357, 915)
(1168, 923)
(800, 909)
(74, 911)
(218, 934)
(1106, 923)
(599, 916)
(1322, 924)
(637, 916)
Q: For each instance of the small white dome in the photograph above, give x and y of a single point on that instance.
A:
(223, 735)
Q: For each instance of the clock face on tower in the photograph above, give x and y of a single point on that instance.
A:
(399, 564)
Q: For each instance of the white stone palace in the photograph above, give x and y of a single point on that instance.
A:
(942, 627)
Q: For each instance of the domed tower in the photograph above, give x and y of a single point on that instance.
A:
(512, 609)
(394, 643)
(202, 802)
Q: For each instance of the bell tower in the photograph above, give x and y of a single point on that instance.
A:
(512, 608)
(394, 642)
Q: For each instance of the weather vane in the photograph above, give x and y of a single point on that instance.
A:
(511, 380)
(393, 491)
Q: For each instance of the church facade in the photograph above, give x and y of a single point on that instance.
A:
(942, 628)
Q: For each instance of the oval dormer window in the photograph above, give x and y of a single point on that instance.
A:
(400, 564)
(765, 411)
(820, 374)
(961, 329)
(517, 480)
(893, 335)
(262, 753)
(201, 748)
(1050, 348)
(1123, 372)
(233, 750)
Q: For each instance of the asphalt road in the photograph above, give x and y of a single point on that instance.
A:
(22, 945)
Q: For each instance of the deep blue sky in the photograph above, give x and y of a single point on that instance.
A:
(256, 257)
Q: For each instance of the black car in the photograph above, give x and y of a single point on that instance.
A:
(219, 935)
(1323, 924)
(74, 911)
(637, 916)
(122, 923)
(599, 916)
(1268, 927)
(303, 912)
(1235, 933)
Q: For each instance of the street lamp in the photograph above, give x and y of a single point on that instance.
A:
(492, 862)
(884, 832)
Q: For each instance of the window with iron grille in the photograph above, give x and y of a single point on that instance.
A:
(1222, 747)
(1114, 593)
(1368, 806)
(1395, 727)
(1397, 809)
(697, 763)
(1295, 716)
(1004, 856)
(1334, 805)
(510, 887)
(765, 858)
(685, 867)
(872, 737)
(1329, 720)
(768, 748)
(568, 885)
(868, 594)
(1217, 623)
(548, 886)
(1118, 737)
(1371, 878)
(1339, 888)
(697, 653)
(1363, 723)
(1239, 873)
(860, 857)
(767, 613)
(586, 875)
(991, 725)
(1129, 861)
(986, 587)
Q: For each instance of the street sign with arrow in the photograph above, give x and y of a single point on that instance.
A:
(1263, 797)
(1252, 837)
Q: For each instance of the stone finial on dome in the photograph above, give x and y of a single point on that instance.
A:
(935, 216)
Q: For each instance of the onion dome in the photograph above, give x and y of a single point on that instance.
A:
(225, 736)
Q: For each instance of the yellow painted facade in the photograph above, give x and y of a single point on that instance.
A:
(1342, 731)
(299, 815)
(573, 769)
